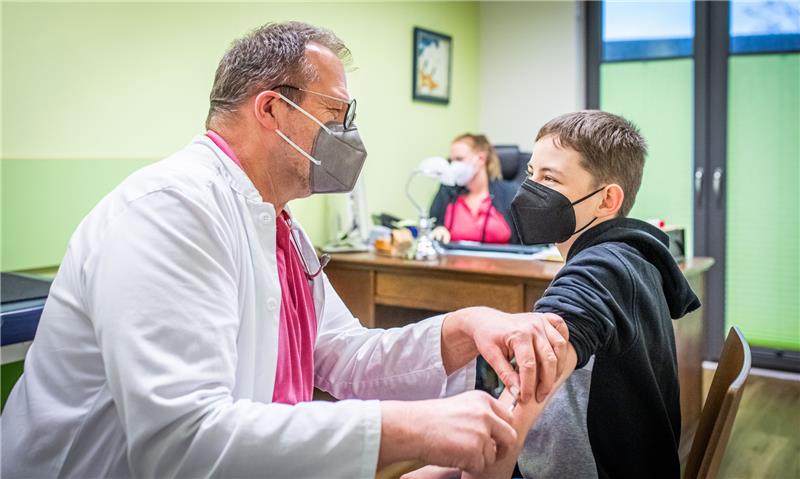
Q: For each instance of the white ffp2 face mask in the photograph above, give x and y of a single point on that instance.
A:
(462, 172)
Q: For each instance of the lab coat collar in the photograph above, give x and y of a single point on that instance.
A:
(236, 176)
(241, 183)
(238, 179)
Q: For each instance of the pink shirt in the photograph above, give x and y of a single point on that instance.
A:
(467, 225)
(294, 378)
(223, 145)
(297, 333)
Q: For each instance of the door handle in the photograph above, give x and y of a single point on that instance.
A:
(716, 184)
(698, 184)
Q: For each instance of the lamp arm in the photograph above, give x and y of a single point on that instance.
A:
(420, 210)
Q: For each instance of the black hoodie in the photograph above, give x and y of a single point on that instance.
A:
(618, 293)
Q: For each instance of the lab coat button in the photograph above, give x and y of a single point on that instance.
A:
(265, 217)
(272, 304)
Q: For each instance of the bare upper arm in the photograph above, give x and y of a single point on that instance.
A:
(525, 415)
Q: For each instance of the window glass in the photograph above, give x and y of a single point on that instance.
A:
(647, 30)
(764, 26)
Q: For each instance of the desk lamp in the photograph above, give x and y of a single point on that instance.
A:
(440, 169)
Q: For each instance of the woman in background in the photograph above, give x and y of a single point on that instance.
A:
(478, 208)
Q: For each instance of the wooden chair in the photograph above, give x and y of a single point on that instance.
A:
(719, 410)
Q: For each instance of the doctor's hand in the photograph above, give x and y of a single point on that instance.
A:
(537, 341)
(468, 431)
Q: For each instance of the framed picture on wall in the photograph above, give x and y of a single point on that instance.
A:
(432, 65)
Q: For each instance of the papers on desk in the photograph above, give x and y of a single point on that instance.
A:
(486, 254)
(547, 254)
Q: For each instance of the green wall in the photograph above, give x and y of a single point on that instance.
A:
(43, 201)
(93, 91)
(763, 199)
(657, 96)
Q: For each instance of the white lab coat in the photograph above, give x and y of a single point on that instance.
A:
(156, 352)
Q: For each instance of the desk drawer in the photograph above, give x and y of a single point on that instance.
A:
(442, 293)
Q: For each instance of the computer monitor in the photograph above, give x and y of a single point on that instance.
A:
(351, 221)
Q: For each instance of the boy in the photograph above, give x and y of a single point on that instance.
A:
(618, 414)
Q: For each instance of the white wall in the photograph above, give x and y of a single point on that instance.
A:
(532, 67)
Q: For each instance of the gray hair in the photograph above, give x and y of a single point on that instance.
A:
(269, 56)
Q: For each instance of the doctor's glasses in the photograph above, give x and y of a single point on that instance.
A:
(349, 114)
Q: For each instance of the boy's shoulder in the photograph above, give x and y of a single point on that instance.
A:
(621, 243)
(614, 253)
(624, 256)
(610, 263)
(619, 263)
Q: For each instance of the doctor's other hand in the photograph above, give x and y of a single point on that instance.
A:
(538, 342)
(441, 234)
(468, 431)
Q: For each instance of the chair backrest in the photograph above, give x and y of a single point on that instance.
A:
(719, 410)
(513, 163)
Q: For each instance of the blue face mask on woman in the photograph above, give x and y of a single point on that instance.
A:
(542, 215)
(337, 155)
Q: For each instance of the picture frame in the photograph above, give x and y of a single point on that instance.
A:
(432, 68)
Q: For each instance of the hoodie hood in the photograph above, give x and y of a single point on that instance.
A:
(653, 244)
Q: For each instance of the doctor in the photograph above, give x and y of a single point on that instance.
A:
(190, 319)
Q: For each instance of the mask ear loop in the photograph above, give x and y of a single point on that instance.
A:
(299, 150)
(588, 196)
(587, 225)
(312, 118)
(304, 112)
(582, 199)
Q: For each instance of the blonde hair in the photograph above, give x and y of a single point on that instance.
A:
(481, 144)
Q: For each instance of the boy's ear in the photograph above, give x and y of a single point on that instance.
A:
(612, 200)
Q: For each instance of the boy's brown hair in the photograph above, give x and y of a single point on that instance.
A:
(612, 149)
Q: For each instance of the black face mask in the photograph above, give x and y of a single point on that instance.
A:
(543, 215)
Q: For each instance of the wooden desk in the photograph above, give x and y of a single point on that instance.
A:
(387, 292)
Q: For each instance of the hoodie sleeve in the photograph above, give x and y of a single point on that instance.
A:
(594, 294)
